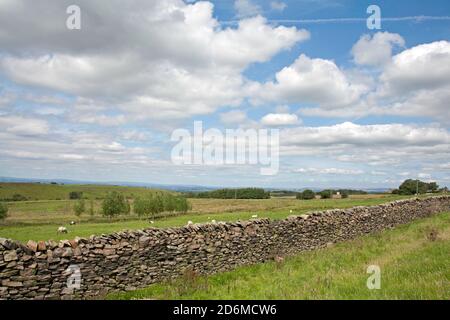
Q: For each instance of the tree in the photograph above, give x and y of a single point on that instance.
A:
(115, 204)
(344, 194)
(3, 210)
(156, 203)
(141, 206)
(79, 207)
(411, 187)
(306, 195)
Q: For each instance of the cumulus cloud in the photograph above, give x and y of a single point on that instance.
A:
(422, 67)
(313, 81)
(279, 119)
(414, 82)
(376, 50)
(194, 67)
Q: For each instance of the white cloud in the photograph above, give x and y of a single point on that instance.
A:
(278, 5)
(23, 126)
(423, 67)
(423, 175)
(313, 81)
(134, 135)
(246, 8)
(168, 76)
(417, 83)
(376, 50)
(386, 145)
(393, 135)
(280, 119)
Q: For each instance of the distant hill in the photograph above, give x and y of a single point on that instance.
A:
(171, 187)
(178, 188)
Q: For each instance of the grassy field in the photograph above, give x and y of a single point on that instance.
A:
(413, 266)
(44, 191)
(39, 220)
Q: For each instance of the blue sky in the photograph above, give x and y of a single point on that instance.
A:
(355, 107)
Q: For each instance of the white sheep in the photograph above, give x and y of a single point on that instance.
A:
(72, 223)
(255, 216)
(152, 222)
(213, 221)
(189, 223)
(290, 211)
(62, 230)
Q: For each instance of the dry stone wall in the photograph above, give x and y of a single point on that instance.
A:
(133, 259)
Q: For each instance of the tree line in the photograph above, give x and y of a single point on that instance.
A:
(327, 193)
(115, 204)
(241, 193)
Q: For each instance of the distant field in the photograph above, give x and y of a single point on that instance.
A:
(38, 220)
(412, 267)
(43, 191)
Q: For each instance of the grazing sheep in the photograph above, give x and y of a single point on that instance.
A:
(290, 211)
(213, 221)
(189, 223)
(152, 222)
(72, 223)
(255, 216)
(62, 230)
(279, 259)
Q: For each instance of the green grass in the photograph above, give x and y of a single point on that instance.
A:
(40, 220)
(44, 191)
(412, 267)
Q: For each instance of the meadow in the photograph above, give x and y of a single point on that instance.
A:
(414, 265)
(39, 219)
(413, 260)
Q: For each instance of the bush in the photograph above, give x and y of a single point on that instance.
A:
(306, 195)
(115, 204)
(3, 210)
(79, 207)
(18, 197)
(326, 194)
(344, 195)
(74, 195)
